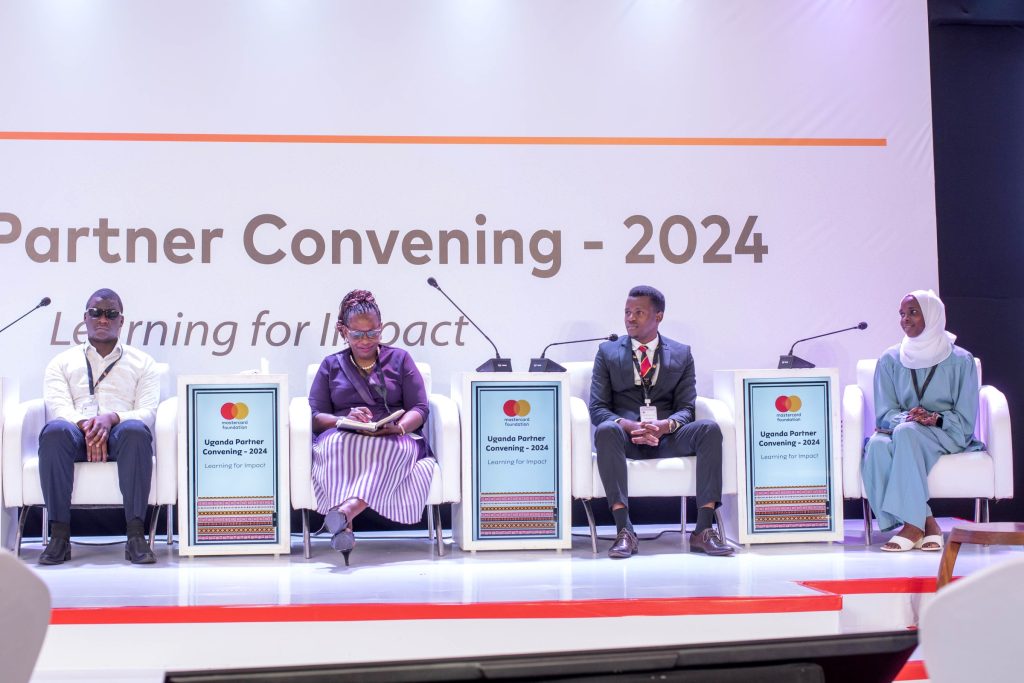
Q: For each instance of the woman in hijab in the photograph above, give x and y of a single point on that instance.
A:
(926, 400)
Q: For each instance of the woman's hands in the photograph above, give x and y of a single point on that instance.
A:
(922, 417)
(360, 414)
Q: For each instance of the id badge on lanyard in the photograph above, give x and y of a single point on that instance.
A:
(648, 413)
(90, 405)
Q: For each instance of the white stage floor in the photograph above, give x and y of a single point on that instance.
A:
(399, 600)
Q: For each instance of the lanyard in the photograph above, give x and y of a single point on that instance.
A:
(380, 389)
(647, 382)
(88, 368)
(920, 390)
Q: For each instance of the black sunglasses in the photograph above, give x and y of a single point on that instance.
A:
(109, 313)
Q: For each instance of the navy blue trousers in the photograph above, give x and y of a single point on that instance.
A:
(701, 438)
(62, 444)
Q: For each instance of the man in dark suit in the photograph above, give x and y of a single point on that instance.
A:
(642, 403)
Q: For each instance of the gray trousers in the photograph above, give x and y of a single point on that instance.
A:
(62, 444)
(702, 438)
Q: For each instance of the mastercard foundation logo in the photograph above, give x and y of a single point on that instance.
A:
(516, 408)
(234, 411)
(788, 404)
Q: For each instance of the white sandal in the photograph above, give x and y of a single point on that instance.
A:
(934, 538)
(904, 544)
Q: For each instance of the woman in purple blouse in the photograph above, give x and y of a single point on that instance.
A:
(389, 469)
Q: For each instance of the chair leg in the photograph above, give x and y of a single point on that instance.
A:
(22, 516)
(985, 511)
(977, 510)
(430, 522)
(153, 519)
(170, 524)
(438, 529)
(305, 534)
(867, 521)
(46, 527)
(593, 526)
(682, 517)
(720, 523)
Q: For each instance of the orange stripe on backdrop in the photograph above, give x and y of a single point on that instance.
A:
(445, 139)
(570, 609)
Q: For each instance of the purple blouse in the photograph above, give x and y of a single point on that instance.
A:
(339, 386)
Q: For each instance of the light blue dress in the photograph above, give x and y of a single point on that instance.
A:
(895, 468)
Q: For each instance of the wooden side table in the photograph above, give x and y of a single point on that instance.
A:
(990, 533)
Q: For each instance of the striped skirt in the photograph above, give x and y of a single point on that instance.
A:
(384, 471)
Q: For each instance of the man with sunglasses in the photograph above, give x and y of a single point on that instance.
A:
(101, 398)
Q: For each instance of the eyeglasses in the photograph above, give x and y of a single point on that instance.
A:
(367, 334)
(108, 313)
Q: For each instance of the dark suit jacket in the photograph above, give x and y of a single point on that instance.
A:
(613, 393)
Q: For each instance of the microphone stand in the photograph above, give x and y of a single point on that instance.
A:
(791, 362)
(543, 364)
(44, 302)
(496, 364)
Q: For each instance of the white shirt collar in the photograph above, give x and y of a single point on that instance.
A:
(652, 345)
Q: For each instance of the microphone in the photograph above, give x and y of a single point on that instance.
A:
(543, 364)
(496, 364)
(45, 301)
(789, 361)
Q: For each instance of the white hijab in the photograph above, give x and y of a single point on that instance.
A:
(934, 344)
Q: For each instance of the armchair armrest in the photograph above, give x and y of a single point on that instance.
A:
(165, 448)
(718, 411)
(22, 425)
(446, 443)
(853, 441)
(582, 449)
(300, 453)
(994, 430)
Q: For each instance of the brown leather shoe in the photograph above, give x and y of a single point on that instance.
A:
(625, 545)
(708, 541)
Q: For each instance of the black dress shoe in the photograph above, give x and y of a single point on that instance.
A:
(57, 551)
(137, 551)
(708, 541)
(625, 545)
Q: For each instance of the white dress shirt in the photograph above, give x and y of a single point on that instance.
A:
(652, 346)
(131, 389)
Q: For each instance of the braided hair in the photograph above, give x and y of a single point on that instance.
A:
(357, 302)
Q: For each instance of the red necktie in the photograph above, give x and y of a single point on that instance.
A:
(645, 362)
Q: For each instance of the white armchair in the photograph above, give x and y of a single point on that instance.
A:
(675, 476)
(445, 442)
(981, 475)
(96, 484)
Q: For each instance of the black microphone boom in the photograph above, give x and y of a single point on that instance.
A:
(496, 364)
(789, 361)
(543, 364)
(45, 301)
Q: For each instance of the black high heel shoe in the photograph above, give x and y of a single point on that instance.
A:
(342, 538)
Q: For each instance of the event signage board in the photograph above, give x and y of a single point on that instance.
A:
(515, 464)
(233, 465)
(787, 465)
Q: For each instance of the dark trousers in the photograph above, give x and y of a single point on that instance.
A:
(62, 444)
(702, 438)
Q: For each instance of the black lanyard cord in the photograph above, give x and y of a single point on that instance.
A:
(920, 390)
(647, 382)
(103, 375)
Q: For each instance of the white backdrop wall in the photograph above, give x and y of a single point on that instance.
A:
(813, 117)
